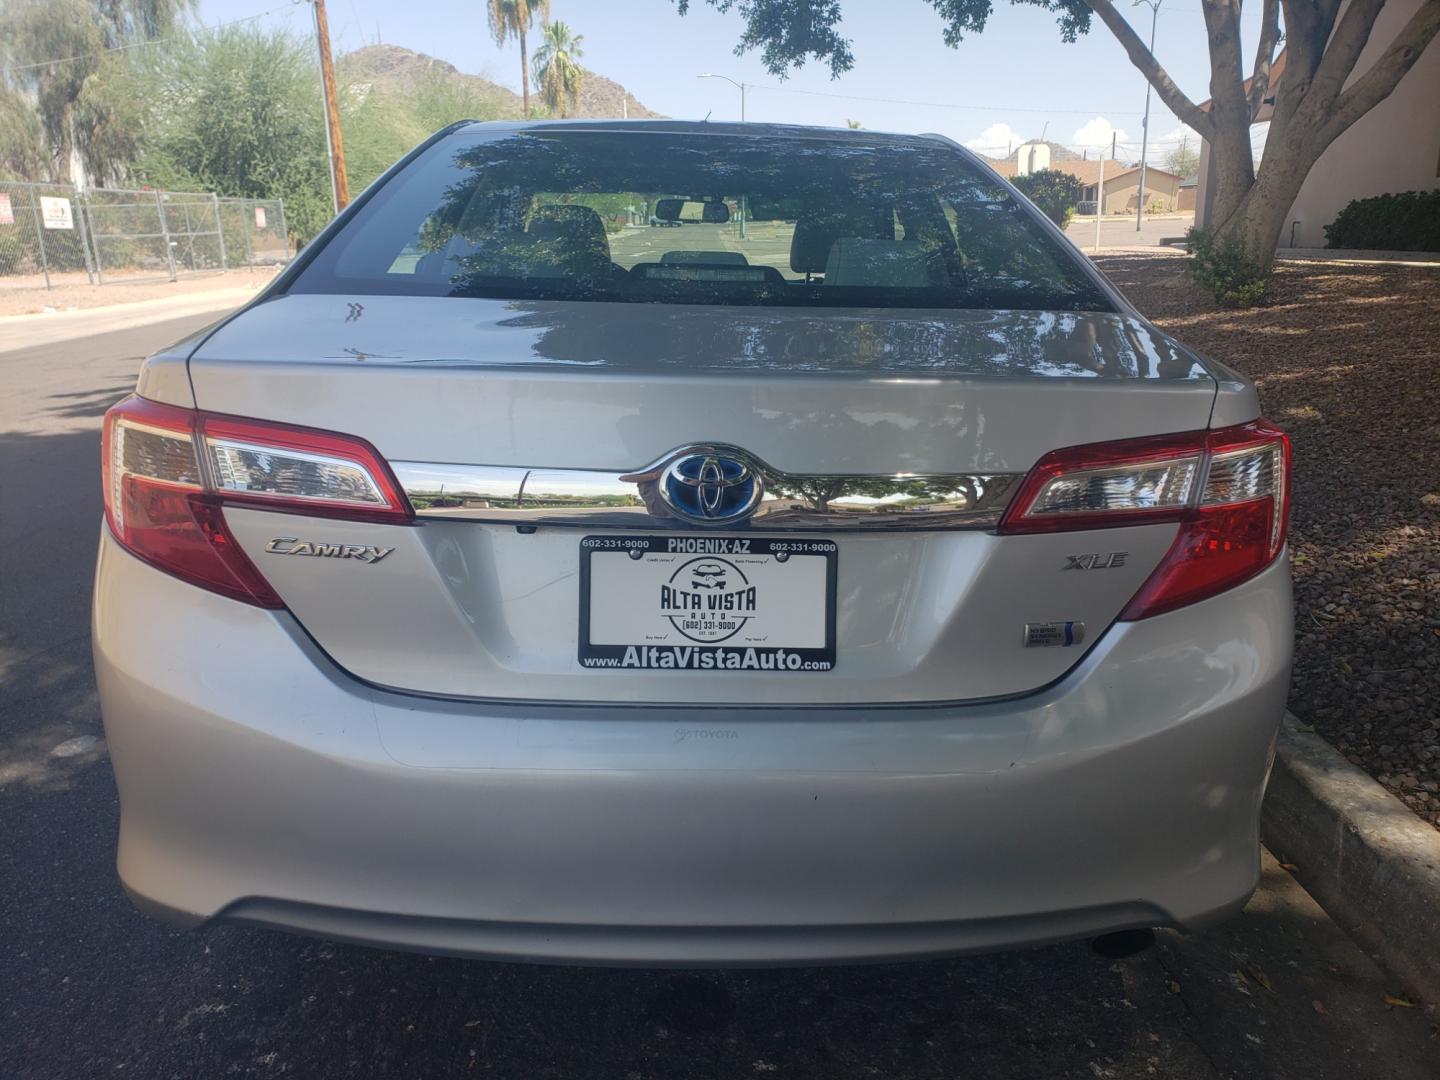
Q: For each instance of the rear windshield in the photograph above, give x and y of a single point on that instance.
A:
(661, 217)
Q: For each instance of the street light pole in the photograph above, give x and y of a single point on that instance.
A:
(741, 87)
(1145, 124)
(738, 85)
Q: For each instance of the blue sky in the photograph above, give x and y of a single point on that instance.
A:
(1014, 81)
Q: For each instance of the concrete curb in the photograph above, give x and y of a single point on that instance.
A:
(1369, 861)
(1357, 256)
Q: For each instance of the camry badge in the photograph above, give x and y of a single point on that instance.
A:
(290, 545)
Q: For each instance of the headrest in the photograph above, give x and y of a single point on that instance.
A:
(817, 230)
(905, 264)
(568, 237)
(567, 221)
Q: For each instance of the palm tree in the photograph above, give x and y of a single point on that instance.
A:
(556, 71)
(513, 18)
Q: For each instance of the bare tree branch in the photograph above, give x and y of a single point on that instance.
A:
(1229, 107)
(1343, 51)
(1264, 56)
(1158, 77)
(1222, 26)
(1306, 31)
(1377, 83)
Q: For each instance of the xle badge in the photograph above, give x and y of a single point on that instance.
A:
(1113, 561)
(1049, 635)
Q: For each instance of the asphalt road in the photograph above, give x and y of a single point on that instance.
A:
(89, 987)
(1120, 232)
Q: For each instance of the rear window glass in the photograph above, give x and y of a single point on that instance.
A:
(666, 217)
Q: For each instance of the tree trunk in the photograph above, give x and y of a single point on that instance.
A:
(525, 73)
(1259, 216)
(1232, 171)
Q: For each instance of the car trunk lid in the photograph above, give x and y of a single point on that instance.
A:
(475, 604)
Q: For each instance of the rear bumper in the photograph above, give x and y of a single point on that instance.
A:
(258, 783)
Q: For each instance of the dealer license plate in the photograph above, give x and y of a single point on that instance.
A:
(707, 603)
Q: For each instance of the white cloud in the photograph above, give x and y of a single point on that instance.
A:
(1098, 133)
(996, 140)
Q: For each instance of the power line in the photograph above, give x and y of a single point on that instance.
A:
(136, 44)
(939, 104)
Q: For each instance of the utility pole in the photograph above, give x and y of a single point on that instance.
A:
(1145, 124)
(339, 185)
(1100, 190)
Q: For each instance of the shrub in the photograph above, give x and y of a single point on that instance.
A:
(1405, 222)
(1225, 269)
(1055, 193)
(12, 255)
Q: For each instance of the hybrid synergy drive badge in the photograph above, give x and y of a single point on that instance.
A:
(1049, 635)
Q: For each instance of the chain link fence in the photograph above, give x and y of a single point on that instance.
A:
(254, 232)
(42, 235)
(52, 234)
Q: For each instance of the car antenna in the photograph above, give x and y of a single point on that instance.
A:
(707, 117)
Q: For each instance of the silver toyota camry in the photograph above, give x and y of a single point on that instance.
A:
(683, 543)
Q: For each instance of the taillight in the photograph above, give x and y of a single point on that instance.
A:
(168, 473)
(1228, 489)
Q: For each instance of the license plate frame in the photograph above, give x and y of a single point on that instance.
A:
(700, 640)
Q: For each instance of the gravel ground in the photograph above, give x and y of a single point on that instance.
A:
(1347, 359)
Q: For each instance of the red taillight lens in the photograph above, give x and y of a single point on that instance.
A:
(1229, 490)
(300, 469)
(168, 473)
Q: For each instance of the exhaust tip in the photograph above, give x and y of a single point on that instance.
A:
(1123, 943)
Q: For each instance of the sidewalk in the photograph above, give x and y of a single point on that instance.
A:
(77, 294)
(221, 293)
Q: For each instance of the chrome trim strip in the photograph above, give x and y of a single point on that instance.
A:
(601, 499)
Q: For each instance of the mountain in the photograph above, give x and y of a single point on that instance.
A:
(381, 65)
(602, 98)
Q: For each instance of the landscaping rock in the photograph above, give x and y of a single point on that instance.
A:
(1345, 358)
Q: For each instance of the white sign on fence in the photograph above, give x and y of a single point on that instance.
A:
(56, 213)
(7, 212)
(259, 217)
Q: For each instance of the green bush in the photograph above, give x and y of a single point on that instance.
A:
(1225, 269)
(1405, 222)
(12, 254)
(1055, 193)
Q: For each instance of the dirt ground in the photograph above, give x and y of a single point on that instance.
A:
(1347, 360)
(71, 291)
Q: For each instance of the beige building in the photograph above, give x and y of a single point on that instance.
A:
(1394, 147)
(1185, 201)
(1122, 181)
(1122, 190)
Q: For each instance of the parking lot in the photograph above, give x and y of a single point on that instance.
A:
(89, 987)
